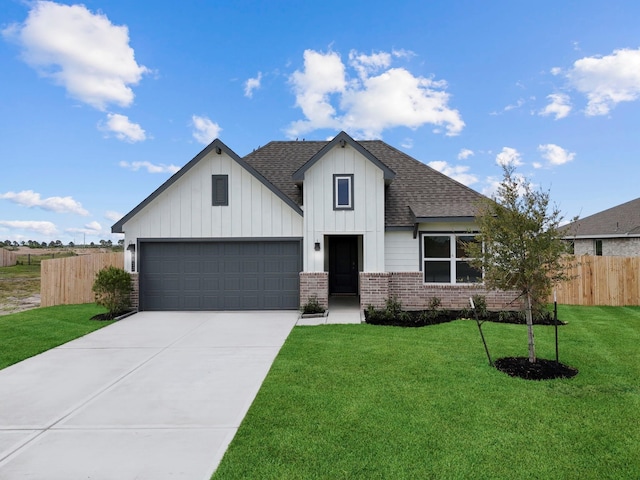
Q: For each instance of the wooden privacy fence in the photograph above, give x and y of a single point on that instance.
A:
(611, 281)
(66, 281)
(7, 258)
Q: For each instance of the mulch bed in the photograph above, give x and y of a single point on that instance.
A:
(103, 317)
(422, 318)
(542, 369)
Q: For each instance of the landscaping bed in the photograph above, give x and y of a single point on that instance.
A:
(394, 315)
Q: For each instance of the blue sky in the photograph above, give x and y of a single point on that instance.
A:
(102, 101)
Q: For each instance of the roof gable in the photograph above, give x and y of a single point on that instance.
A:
(218, 147)
(621, 220)
(342, 139)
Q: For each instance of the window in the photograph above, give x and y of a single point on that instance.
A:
(445, 259)
(220, 190)
(343, 192)
(598, 247)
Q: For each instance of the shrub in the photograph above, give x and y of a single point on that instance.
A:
(480, 302)
(112, 289)
(392, 308)
(312, 306)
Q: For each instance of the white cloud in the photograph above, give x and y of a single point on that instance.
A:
(251, 85)
(365, 65)
(608, 80)
(514, 106)
(43, 228)
(81, 51)
(113, 216)
(555, 155)
(459, 173)
(150, 167)
(322, 76)
(376, 99)
(560, 105)
(556, 71)
(29, 198)
(407, 143)
(465, 153)
(509, 156)
(91, 228)
(123, 128)
(205, 131)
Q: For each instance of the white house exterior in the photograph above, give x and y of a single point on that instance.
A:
(295, 220)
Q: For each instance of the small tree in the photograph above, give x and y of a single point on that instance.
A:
(112, 289)
(520, 247)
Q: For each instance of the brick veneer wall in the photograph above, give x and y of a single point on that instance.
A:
(408, 288)
(314, 284)
(614, 247)
(135, 290)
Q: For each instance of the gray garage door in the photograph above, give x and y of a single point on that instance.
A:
(229, 275)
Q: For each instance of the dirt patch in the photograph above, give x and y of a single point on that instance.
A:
(19, 304)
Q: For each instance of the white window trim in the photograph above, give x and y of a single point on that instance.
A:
(336, 178)
(452, 259)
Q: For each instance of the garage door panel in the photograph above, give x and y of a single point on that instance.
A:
(229, 275)
(192, 266)
(250, 284)
(192, 283)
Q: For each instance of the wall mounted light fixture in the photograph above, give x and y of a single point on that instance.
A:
(316, 247)
(218, 150)
(343, 143)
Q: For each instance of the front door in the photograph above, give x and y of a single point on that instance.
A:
(343, 265)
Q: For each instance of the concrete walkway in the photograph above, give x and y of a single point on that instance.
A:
(154, 396)
(342, 310)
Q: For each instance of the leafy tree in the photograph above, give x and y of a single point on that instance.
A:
(112, 289)
(520, 247)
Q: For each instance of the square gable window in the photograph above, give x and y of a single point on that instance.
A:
(343, 192)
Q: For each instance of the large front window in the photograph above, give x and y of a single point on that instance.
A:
(445, 259)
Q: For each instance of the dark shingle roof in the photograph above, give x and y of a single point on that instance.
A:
(417, 192)
(620, 220)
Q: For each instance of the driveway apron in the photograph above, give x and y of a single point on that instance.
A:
(157, 395)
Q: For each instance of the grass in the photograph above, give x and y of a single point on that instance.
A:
(363, 401)
(25, 334)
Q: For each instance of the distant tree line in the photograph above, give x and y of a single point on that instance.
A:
(59, 244)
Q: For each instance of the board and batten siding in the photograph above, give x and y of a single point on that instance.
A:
(366, 218)
(401, 251)
(184, 209)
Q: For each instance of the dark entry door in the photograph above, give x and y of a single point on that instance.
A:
(343, 265)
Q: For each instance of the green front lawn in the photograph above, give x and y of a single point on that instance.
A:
(372, 402)
(25, 334)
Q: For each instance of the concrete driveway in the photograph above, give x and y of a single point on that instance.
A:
(154, 396)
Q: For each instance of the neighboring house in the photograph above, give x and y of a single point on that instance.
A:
(612, 232)
(294, 220)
